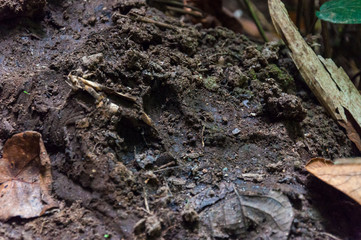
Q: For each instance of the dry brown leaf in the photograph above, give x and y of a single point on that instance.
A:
(25, 177)
(345, 177)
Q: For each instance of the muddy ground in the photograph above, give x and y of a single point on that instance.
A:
(202, 112)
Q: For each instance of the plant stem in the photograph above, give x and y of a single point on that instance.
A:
(299, 14)
(326, 40)
(256, 20)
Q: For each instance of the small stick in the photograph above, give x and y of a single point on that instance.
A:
(164, 169)
(326, 40)
(256, 20)
(240, 202)
(202, 135)
(95, 147)
(146, 200)
(166, 184)
(299, 13)
(159, 24)
(179, 10)
(103, 88)
(178, 4)
(330, 235)
(167, 164)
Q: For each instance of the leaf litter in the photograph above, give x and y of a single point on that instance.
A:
(92, 163)
(345, 175)
(25, 177)
(245, 213)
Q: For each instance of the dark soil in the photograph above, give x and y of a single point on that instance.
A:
(205, 109)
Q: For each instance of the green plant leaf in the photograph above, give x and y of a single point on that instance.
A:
(341, 11)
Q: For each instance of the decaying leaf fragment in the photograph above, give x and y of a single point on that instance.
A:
(25, 177)
(99, 91)
(344, 176)
(329, 84)
(248, 215)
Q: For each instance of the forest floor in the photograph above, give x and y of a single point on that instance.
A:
(202, 116)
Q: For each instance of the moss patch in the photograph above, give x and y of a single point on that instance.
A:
(211, 83)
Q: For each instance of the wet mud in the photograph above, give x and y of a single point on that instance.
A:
(158, 116)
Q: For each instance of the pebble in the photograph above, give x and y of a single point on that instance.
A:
(236, 131)
(177, 181)
(92, 60)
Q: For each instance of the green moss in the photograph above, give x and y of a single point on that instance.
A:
(281, 76)
(252, 74)
(211, 83)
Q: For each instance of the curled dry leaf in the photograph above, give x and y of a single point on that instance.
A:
(345, 176)
(25, 177)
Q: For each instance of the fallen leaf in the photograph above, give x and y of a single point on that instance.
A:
(25, 177)
(248, 215)
(344, 176)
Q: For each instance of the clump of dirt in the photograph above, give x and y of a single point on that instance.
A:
(165, 113)
(12, 8)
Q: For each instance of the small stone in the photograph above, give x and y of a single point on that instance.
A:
(221, 60)
(193, 155)
(92, 60)
(82, 123)
(177, 181)
(297, 165)
(236, 131)
(92, 20)
(274, 167)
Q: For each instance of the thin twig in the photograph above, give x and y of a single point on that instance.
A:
(167, 165)
(178, 4)
(165, 169)
(241, 204)
(146, 200)
(299, 13)
(326, 40)
(330, 235)
(148, 20)
(256, 20)
(202, 135)
(183, 11)
(166, 184)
